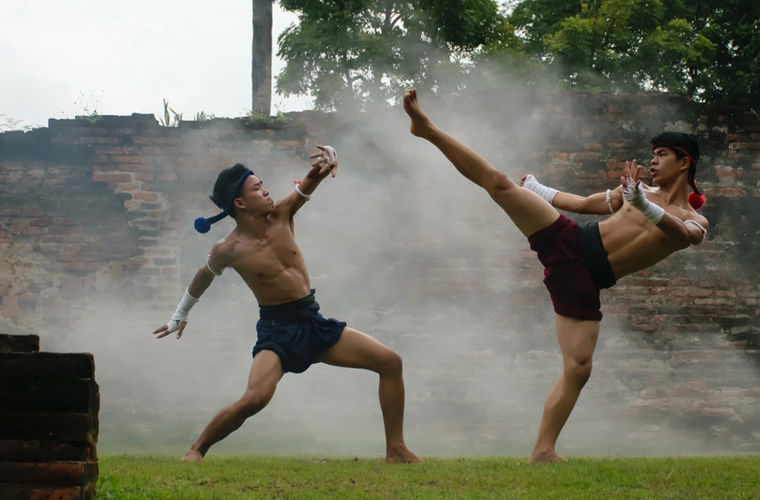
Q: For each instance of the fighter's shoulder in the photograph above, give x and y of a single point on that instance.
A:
(693, 215)
(225, 248)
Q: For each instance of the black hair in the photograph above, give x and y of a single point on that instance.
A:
(683, 144)
(224, 188)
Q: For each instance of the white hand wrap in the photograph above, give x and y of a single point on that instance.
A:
(635, 195)
(332, 155)
(182, 312)
(544, 192)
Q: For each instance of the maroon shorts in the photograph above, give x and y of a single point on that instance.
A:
(570, 281)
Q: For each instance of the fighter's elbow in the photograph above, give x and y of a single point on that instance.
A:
(696, 239)
(684, 240)
(683, 244)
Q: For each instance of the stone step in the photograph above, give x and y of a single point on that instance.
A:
(47, 364)
(49, 394)
(49, 425)
(46, 450)
(19, 343)
(38, 492)
(57, 474)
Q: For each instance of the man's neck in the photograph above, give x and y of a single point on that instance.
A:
(255, 224)
(675, 193)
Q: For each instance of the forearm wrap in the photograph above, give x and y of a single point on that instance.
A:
(544, 192)
(183, 311)
(636, 197)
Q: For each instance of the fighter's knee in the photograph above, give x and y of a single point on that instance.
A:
(392, 363)
(498, 184)
(579, 370)
(254, 401)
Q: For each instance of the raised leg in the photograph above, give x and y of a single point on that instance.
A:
(577, 341)
(266, 372)
(358, 350)
(527, 210)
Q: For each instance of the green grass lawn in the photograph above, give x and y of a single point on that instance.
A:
(248, 477)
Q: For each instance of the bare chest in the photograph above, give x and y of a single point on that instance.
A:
(268, 256)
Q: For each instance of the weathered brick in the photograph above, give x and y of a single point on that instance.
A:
(111, 177)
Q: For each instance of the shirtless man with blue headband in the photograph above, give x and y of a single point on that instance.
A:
(292, 334)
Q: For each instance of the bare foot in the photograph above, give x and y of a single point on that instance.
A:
(193, 456)
(421, 125)
(401, 455)
(546, 457)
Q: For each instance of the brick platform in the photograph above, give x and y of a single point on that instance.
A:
(49, 406)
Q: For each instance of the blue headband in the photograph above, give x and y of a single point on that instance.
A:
(203, 225)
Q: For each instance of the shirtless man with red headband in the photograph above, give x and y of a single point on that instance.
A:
(292, 334)
(644, 226)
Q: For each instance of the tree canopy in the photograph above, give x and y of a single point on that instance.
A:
(704, 49)
(370, 50)
(348, 51)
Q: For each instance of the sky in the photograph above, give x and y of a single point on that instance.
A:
(62, 59)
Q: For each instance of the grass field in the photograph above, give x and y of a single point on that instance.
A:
(254, 477)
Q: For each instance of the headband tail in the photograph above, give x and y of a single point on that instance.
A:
(203, 225)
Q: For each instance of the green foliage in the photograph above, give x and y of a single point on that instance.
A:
(249, 477)
(202, 116)
(705, 49)
(171, 118)
(368, 51)
(256, 120)
(93, 117)
(89, 105)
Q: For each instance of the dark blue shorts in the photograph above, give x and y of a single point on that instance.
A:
(296, 332)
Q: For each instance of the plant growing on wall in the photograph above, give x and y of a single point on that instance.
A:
(171, 118)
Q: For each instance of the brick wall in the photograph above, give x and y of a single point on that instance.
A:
(48, 422)
(103, 209)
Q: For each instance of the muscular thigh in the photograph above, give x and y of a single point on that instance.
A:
(528, 211)
(577, 338)
(357, 350)
(266, 372)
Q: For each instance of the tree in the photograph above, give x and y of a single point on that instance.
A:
(362, 51)
(705, 49)
(734, 27)
(261, 58)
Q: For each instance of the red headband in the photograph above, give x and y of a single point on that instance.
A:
(676, 148)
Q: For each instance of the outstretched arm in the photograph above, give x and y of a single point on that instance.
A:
(598, 203)
(199, 284)
(325, 162)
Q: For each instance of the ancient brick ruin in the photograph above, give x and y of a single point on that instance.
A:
(48, 422)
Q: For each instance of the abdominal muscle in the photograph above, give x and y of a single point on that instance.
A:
(277, 283)
(632, 243)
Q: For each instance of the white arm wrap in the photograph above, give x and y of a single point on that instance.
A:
(544, 192)
(182, 312)
(701, 228)
(305, 196)
(208, 266)
(636, 197)
(608, 201)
